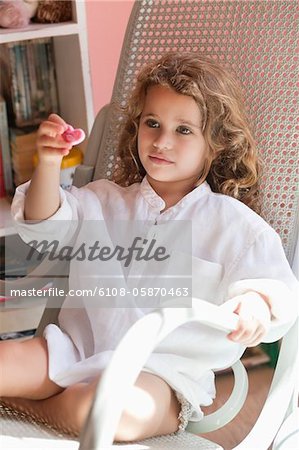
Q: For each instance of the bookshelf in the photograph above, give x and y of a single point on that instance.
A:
(72, 72)
(71, 62)
(75, 105)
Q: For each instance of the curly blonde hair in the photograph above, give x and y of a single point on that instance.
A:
(232, 165)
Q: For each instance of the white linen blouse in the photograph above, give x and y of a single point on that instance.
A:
(233, 251)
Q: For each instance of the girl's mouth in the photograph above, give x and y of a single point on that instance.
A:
(160, 160)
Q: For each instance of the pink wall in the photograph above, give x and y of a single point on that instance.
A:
(106, 25)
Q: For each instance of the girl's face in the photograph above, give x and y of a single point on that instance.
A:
(171, 146)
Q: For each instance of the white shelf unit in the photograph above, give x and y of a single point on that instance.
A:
(72, 73)
(76, 107)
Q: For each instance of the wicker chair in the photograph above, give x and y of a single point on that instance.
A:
(257, 40)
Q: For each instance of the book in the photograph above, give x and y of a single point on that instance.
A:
(45, 82)
(27, 82)
(5, 148)
(33, 83)
(2, 185)
(52, 76)
(21, 86)
(33, 80)
(6, 81)
(14, 82)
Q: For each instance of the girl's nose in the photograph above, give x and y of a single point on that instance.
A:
(163, 142)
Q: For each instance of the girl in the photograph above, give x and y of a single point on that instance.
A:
(186, 154)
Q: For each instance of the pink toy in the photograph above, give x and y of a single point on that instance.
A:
(73, 136)
(17, 13)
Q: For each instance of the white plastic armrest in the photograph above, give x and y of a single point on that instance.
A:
(139, 341)
(230, 408)
(280, 397)
(288, 435)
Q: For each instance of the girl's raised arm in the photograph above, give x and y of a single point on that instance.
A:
(42, 198)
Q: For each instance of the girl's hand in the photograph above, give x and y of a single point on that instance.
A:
(51, 145)
(55, 139)
(255, 318)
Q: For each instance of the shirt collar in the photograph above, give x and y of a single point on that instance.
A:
(157, 203)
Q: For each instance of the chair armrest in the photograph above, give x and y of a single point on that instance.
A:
(282, 397)
(140, 340)
(288, 435)
(231, 407)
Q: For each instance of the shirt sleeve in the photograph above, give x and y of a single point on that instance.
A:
(263, 268)
(49, 228)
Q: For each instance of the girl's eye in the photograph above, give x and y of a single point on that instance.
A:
(151, 123)
(183, 130)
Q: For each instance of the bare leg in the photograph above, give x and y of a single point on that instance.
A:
(24, 370)
(151, 411)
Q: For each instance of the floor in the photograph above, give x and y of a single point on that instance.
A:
(259, 382)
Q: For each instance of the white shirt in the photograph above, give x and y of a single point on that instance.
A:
(233, 250)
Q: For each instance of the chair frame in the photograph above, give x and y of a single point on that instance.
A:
(112, 391)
